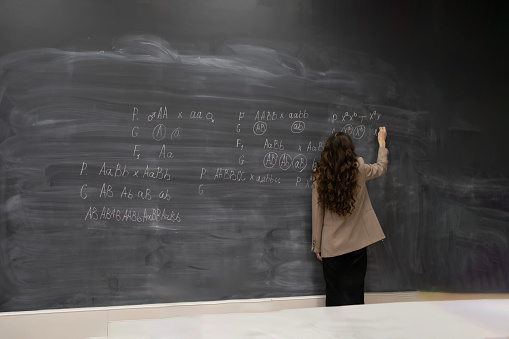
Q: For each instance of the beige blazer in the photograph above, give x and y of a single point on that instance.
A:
(335, 235)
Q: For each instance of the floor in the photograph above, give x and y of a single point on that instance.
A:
(431, 319)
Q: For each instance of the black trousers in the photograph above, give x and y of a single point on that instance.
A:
(344, 278)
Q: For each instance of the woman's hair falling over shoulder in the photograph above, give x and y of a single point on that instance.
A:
(336, 174)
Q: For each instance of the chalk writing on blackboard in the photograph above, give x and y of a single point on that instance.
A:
(155, 131)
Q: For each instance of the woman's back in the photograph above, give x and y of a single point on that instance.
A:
(345, 233)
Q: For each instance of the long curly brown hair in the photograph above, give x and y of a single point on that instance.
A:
(336, 174)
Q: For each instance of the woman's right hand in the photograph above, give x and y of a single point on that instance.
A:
(382, 134)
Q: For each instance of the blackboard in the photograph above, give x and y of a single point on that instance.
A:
(162, 152)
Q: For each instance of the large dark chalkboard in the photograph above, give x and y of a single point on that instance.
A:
(161, 151)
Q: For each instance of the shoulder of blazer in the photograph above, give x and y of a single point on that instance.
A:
(362, 170)
(361, 162)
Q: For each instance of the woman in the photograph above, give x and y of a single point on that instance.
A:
(344, 222)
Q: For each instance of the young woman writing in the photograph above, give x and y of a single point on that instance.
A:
(344, 222)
